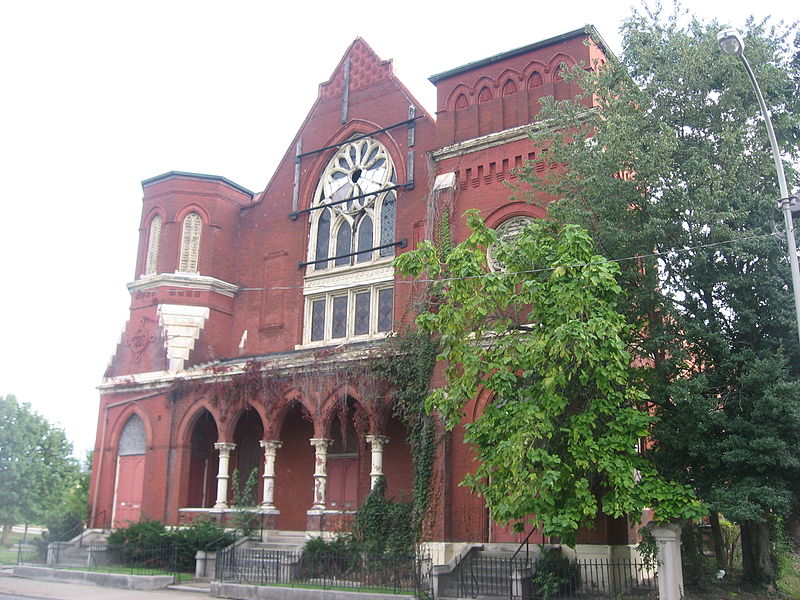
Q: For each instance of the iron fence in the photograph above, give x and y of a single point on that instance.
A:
(549, 577)
(257, 566)
(101, 557)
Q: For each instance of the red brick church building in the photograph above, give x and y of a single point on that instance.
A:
(250, 310)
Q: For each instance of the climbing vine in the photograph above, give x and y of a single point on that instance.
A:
(406, 363)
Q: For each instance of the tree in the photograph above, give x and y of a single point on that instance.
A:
(559, 439)
(671, 173)
(36, 467)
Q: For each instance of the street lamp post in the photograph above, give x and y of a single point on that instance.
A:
(732, 43)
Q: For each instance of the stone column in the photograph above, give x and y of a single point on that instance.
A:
(670, 572)
(320, 471)
(377, 442)
(222, 473)
(270, 449)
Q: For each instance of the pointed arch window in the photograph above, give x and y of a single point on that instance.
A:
(365, 239)
(349, 283)
(153, 242)
(344, 240)
(190, 243)
(359, 170)
(133, 439)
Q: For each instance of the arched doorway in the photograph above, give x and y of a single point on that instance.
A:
(203, 462)
(247, 458)
(294, 470)
(129, 484)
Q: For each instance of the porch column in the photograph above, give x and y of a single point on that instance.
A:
(320, 471)
(270, 449)
(377, 442)
(222, 473)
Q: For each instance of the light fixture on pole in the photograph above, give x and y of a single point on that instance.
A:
(732, 43)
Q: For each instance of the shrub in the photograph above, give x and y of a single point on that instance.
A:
(201, 534)
(555, 575)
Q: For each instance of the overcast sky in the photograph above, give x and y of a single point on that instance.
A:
(97, 96)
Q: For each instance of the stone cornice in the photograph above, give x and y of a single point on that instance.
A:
(201, 283)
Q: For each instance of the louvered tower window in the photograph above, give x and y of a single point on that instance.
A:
(153, 241)
(190, 243)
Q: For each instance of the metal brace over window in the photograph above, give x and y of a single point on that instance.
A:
(401, 244)
(294, 214)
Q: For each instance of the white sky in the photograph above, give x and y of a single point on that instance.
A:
(97, 96)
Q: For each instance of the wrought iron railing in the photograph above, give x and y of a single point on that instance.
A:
(101, 557)
(258, 566)
(553, 576)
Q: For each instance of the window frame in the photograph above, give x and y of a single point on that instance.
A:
(189, 255)
(350, 335)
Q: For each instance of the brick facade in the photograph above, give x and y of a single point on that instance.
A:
(228, 352)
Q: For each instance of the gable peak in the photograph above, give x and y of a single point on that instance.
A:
(361, 65)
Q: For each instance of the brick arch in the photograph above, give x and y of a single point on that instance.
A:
(509, 74)
(122, 419)
(460, 91)
(183, 432)
(509, 88)
(479, 404)
(485, 95)
(514, 209)
(230, 424)
(204, 215)
(532, 67)
(535, 80)
(150, 215)
(293, 397)
(331, 403)
(354, 127)
(554, 66)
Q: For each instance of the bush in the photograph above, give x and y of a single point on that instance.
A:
(330, 558)
(201, 534)
(555, 575)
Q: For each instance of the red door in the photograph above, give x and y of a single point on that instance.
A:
(130, 484)
(342, 483)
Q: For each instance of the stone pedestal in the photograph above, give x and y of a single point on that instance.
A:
(670, 571)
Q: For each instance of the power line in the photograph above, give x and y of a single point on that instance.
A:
(666, 254)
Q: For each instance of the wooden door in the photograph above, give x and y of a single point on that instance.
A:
(130, 485)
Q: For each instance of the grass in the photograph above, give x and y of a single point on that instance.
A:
(8, 553)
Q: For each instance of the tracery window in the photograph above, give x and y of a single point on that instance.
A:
(352, 184)
(153, 241)
(349, 280)
(507, 231)
(190, 243)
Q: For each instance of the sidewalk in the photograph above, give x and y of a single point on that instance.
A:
(71, 591)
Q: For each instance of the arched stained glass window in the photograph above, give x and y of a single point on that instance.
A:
(323, 238)
(190, 243)
(365, 239)
(354, 185)
(344, 238)
(388, 211)
(153, 241)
